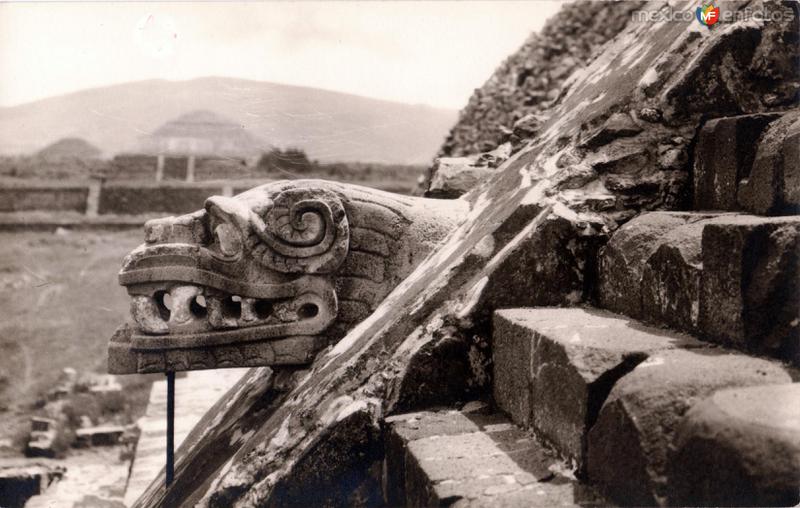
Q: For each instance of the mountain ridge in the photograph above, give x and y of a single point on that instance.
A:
(330, 126)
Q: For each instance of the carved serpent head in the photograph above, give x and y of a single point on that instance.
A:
(270, 276)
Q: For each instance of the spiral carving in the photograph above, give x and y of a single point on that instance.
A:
(305, 230)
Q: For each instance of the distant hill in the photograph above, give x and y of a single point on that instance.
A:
(69, 148)
(329, 126)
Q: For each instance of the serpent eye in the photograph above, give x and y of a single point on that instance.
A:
(229, 239)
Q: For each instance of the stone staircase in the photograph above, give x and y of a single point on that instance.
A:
(674, 387)
(593, 402)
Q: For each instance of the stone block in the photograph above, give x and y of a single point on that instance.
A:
(547, 269)
(567, 361)
(471, 459)
(739, 447)
(628, 446)
(725, 152)
(772, 185)
(622, 261)
(454, 176)
(670, 285)
(750, 290)
(618, 125)
(512, 359)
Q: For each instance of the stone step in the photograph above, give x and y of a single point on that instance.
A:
(473, 458)
(729, 278)
(749, 163)
(609, 394)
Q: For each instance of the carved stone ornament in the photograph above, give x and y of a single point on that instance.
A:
(271, 276)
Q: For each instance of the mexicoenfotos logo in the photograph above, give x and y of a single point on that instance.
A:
(707, 14)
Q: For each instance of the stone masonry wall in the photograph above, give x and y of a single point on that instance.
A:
(528, 82)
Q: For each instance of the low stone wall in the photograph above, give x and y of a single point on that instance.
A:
(57, 198)
(141, 166)
(132, 167)
(93, 198)
(140, 199)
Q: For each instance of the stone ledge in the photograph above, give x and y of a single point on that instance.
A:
(750, 285)
(628, 446)
(554, 367)
(731, 279)
(623, 260)
(472, 459)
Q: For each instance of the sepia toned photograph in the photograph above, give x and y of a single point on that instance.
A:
(351, 253)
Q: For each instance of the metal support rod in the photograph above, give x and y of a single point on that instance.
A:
(170, 427)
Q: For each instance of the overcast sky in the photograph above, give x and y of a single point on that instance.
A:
(432, 53)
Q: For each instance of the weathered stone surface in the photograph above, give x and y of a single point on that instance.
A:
(750, 294)
(750, 67)
(549, 264)
(623, 260)
(554, 367)
(551, 268)
(739, 447)
(512, 364)
(729, 278)
(772, 185)
(628, 445)
(472, 459)
(330, 478)
(671, 277)
(454, 176)
(618, 125)
(271, 276)
(526, 83)
(449, 368)
(724, 155)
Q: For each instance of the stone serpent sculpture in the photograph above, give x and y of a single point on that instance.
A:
(271, 276)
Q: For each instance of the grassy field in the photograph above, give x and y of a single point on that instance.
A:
(60, 302)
